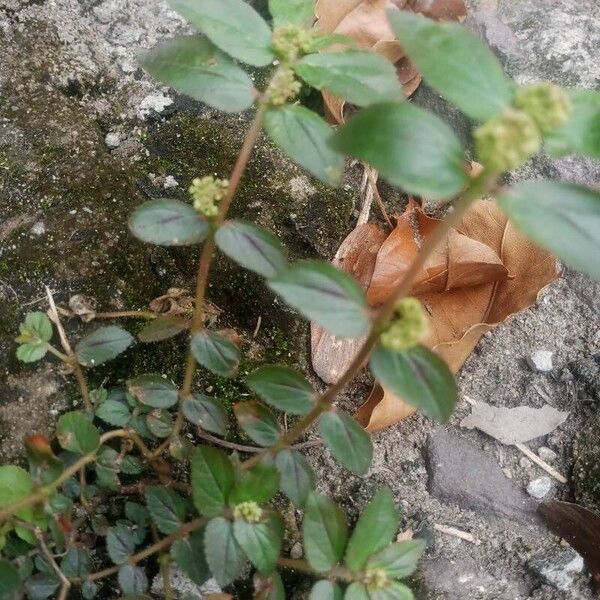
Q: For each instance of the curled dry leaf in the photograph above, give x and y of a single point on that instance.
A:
(366, 22)
(481, 274)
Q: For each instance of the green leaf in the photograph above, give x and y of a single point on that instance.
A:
(325, 532)
(103, 345)
(258, 485)
(325, 590)
(398, 560)
(412, 148)
(166, 507)
(349, 443)
(257, 422)
(261, 542)
(114, 413)
(37, 326)
(283, 388)
(193, 66)
(188, 553)
(362, 78)
(137, 513)
(168, 223)
(76, 433)
(107, 468)
(268, 587)
(212, 479)
(223, 554)
(32, 351)
(454, 62)
(16, 484)
(581, 133)
(232, 25)
(132, 580)
(41, 586)
(160, 422)
(292, 12)
(162, 328)
(153, 390)
(76, 563)
(252, 247)
(394, 591)
(89, 590)
(131, 465)
(375, 529)
(10, 580)
(420, 377)
(562, 217)
(297, 478)
(326, 295)
(215, 352)
(120, 543)
(304, 137)
(206, 412)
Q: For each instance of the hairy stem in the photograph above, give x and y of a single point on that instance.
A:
(127, 314)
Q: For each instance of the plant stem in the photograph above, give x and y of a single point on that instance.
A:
(324, 402)
(66, 584)
(127, 314)
(297, 564)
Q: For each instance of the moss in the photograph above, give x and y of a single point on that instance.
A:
(586, 472)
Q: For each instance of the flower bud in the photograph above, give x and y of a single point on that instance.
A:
(507, 141)
(290, 41)
(284, 86)
(207, 192)
(376, 579)
(250, 512)
(407, 328)
(547, 104)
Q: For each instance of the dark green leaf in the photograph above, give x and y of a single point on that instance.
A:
(206, 412)
(137, 513)
(41, 586)
(398, 560)
(325, 532)
(132, 580)
(162, 328)
(193, 66)
(223, 554)
(212, 479)
(153, 390)
(120, 543)
(304, 137)
(326, 295)
(349, 443)
(188, 553)
(325, 590)
(283, 388)
(268, 587)
(10, 580)
(232, 25)
(375, 529)
(252, 247)
(454, 62)
(562, 217)
(292, 12)
(258, 485)
(168, 223)
(166, 507)
(160, 422)
(76, 433)
(131, 465)
(257, 422)
(581, 133)
(215, 352)
(16, 484)
(297, 478)
(261, 542)
(419, 377)
(103, 345)
(114, 413)
(89, 590)
(362, 78)
(412, 148)
(107, 468)
(76, 563)
(394, 591)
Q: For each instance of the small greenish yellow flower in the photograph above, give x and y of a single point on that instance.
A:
(547, 104)
(284, 86)
(376, 579)
(249, 512)
(290, 41)
(407, 328)
(207, 192)
(507, 141)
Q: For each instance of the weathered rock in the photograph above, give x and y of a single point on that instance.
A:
(557, 568)
(586, 472)
(540, 360)
(461, 474)
(547, 454)
(182, 585)
(540, 487)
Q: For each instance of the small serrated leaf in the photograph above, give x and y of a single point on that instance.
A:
(223, 554)
(167, 508)
(261, 542)
(257, 422)
(212, 479)
(103, 345)
(189, 555)
(163, 328)
(120, 543)
(76, 433)
(153, 390)
(258, 485)
(206, 412)
(297, 478)
(215, 352)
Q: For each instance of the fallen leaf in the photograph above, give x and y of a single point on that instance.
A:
(382, 409)
(83, 306)
(512, 425)
(580, 527)
(444, 10)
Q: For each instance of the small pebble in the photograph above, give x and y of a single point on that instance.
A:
(113, 139)
(547, 454)
(296, 550)
(538, 488)
(170, 182)
(525, 463)
(38, 228)
(540, 360)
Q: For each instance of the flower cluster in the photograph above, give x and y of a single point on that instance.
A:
(289, 42)
(376, 579)
(284, 86)
(250, 512)
(407, 328)
(547, 104)
(206, 193)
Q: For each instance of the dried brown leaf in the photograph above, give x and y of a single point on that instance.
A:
(444, 10)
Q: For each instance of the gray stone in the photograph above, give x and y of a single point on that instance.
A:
(540, 360)
(540, 487)
(546, 454)
(181, 585)
(153, 103)
(557, 568)
(462, 474)
(113, 139)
